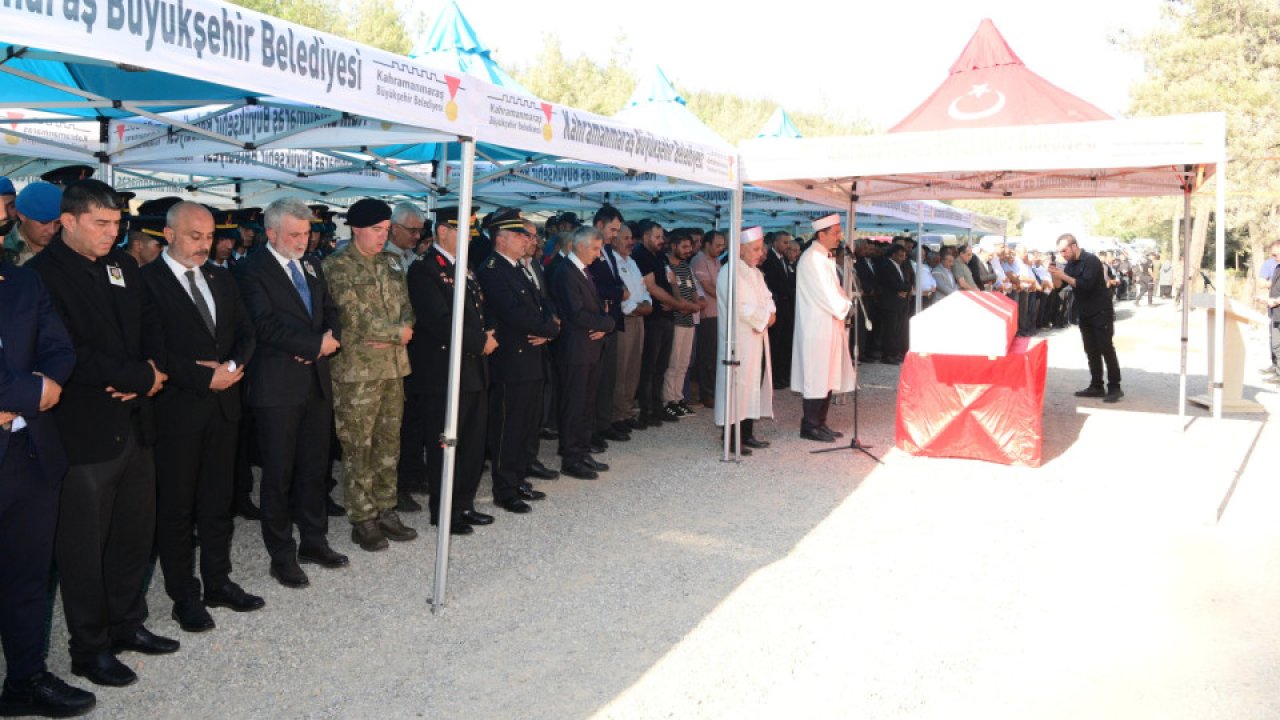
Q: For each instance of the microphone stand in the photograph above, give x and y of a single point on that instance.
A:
(851, 278)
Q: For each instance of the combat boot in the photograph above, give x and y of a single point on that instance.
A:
(390, 525)
(367, 535)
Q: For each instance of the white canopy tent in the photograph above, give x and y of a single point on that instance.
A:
(72, 68)
(1135, 157)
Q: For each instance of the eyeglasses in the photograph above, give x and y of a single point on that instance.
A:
(412, 229)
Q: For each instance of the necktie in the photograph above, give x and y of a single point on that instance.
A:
(528, 272)
(300, 283)
(202, 305)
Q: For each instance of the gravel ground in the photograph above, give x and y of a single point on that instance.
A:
(1131, 576)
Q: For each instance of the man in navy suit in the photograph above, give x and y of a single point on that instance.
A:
(578, 349)
(524, 323)
(36, 358)
(290, 391)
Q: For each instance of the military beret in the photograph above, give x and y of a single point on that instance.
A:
(367, 213)
(6, 186)
(40, 201)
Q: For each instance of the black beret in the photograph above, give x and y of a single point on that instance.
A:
(367, 213)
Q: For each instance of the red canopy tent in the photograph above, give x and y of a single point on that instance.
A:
(989, 86)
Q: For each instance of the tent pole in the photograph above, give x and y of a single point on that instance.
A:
(732, 429)
(919, 264)
(1186, 272)
(449, 438)
(1219, 286)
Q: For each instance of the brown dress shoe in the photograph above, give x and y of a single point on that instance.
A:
(390, 525)
(367, 535)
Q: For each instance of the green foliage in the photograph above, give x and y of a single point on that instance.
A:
(378, 23)
(1129, 218)
(604, 88)
(1011, 210)
(319, 14)
(1221, 55)
(580, 82)
(372, 22)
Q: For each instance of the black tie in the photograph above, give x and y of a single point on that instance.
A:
(528, 272)
(202, 306)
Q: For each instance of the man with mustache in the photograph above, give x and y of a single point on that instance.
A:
(205, 342)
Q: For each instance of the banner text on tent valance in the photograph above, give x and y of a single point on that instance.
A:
(636, 143)
(225, 34)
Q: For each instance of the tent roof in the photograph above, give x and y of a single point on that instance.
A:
(71, 84)
(452, 43)
(1105, 158)
(989, 86)
(657, 106)
(779, 125)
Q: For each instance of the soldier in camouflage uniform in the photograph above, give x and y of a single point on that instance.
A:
(368, 395)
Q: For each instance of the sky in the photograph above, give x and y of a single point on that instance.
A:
(852, 59)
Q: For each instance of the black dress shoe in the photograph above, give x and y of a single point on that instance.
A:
(832, 433)
(247, 510)
(636, 423)
(1113, 395)
(104, 669)
(406, 503)
(548, 434)
(744, 452)
(595, 464)
(1091, 392)
(324, 556)
(44, 695)
(578, 470)
(289, 574)
(233, 597)
(333, 509)
(461, 527)
(191, 616)
(528, 493)
(538, 470)
(597, 440)
(518, 507)
(147, 643)
(624, 427)
(611, 434)
(474, 517)
(754, 443)
(816, 434)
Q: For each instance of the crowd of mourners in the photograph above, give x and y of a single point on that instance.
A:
(150, 360)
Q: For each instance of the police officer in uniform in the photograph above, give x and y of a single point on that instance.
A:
(368, 287)
(431, 282)
(524, 323)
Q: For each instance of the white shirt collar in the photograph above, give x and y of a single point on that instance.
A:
(577, 263)
(284, 261)
(446, 254)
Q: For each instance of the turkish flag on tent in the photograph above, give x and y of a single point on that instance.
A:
(990, 87)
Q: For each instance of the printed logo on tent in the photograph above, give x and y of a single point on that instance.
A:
(451, 108)
(977, 108)
(546, 129)
(13, 139)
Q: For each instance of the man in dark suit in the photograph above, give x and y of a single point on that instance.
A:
(106, 423)
(431, 283)
(297, 330)
(577, 352)
(608, 281)
(523, 324)
(205, 344)
(36, 359)
(865, 265)
(895, 288)
(780, 277)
